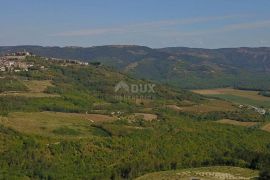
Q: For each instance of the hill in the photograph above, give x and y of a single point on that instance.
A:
(60, 119)
(67, 87)
(181, 67)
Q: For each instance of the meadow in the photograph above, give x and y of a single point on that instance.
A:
(245, 97)
(54, 124)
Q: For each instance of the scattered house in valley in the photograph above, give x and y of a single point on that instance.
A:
(256, 109)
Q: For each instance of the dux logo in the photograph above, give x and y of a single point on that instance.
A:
(135, 88)
(121, 85)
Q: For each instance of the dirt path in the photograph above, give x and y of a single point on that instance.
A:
(266, 127)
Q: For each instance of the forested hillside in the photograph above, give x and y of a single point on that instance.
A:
(181, 67)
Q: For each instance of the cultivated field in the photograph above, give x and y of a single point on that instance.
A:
(238, 96)
(53, 123)
(243, 93)
(207, 106)
(207, 173)
(146, 116)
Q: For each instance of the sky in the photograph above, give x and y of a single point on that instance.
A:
(153, 23)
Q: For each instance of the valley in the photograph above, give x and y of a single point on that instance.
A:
(69, 118)
(135, 90)
(181, 67)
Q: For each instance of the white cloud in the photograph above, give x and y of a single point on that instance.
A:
(144, 27)
(227, 28)
(241, 26)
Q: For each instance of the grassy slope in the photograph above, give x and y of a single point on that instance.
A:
(11, 84)
(47, 123)
(237, 123)
(77, 88)
(33, 88)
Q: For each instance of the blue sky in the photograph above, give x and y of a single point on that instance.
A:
(154, 23)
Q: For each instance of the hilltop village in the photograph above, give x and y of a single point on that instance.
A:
(17, 62)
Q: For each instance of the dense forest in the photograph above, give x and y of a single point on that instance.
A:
(172, 143)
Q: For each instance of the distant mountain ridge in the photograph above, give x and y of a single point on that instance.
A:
(182, 67)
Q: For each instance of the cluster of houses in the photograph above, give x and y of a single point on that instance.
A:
(14, 62)
(22, 54)
(68, 61)
(256, 109)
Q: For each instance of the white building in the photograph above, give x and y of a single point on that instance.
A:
(2, 69)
